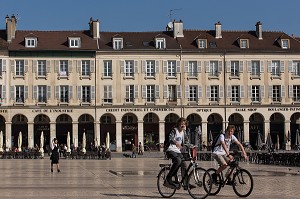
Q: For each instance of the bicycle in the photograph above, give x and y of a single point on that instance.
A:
(195, 177)
(242, 181)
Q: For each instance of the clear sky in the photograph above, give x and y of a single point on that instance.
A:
(153, 15)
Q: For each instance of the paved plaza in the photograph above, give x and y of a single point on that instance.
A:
(124, 178)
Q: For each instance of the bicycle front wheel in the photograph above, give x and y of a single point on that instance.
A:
(242, 183)
(164, 191)
(198, 184)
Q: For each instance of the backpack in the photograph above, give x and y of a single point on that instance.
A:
(214, 143)
(166, 142)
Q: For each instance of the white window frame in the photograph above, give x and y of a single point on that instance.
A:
(285, 43)
(234, 68)
(214, 93)
(150, 68)
(107, 94)
(86, 94)
(193, 93)
(255, 68)
(42, 93)
(42, 68)
(255, 93)
(129, 93)
(129, 68)
(63, 68)
(117, 43)
(74, 42)
(150, 93)
(202, 43)
(276, 93)
(296, 68)
(64, 93)
(171, 70)
(192, 69)
(160, 43)
(214, 68)
(235, 93)
(107, 69)
(275, 68)
(296, 93)
(86, 68)
(30, 42)
(244, 43)
(20, 68)
(172, 93)
(20, 93)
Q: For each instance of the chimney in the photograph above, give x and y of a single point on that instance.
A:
(11, 27)
(259, 30)
(218, 28)
(94, 28)
(178, 29)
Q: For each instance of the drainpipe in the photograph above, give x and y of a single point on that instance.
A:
(225, 89)
(182, 85)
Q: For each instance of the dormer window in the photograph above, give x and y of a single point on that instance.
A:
(160, 43)
(30, 42)
(202, 43)
(244, 43)
(285, 44)
(117, 43)
(74, 42)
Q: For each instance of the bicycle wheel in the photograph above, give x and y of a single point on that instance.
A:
(164, 191)
(197, 179)
(242, 183)
(215, 186)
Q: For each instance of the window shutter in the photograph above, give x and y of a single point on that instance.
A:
(186, 66)
(241, 66)
(3, 92)
(282, 91)
(228, 66)
(78, 68)
(25, 66)
(199, 91)
(282, 66)
(221, 90)
(220, 66)
(291, 67)
(249, 91)
(127, 91)
(262, 91)
(48, 92)
(165, 67)
(92, 64)
(12, 92)
(136, 67)
(156, 91)
(166, 91)
(262, 67)
(206, 64)
(242, 91)
(70, 92)
(56, 68)
(198, 66)
(93, 92)
(144, 67)
(290, 91)
(156, 67)
(56, 92)
(187, 92)
(48, 66)
(229, 91)
(270, 92)
(136, 91)
(208, 92)
(249, 66)
(25, 92)
(34, 66)
(3, 65)
(79, 92)
(12, 66)
(35, 92)
(178, 67)
(269, 66)
(179, 93)
(122, 64)
(144, 91)
(70, 67)
(109, 92)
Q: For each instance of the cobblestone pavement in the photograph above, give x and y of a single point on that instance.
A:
(126, 178)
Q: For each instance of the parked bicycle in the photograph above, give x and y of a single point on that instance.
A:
(196, 177)
(242, 181)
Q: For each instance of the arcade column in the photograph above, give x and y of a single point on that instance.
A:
(140, 132)
(161, 133)
(119, 136)
(287, 133)
(30, 134)
(75, 133)
(8, 134)
(204, 133)
(246, 132)
(52, 131)
(267, 130)
(97, 140)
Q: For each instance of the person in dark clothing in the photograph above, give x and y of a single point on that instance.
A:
(55, 154)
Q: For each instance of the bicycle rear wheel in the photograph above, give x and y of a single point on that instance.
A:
(215, 186)
(164, 191)
(196, 183)
(242, 183)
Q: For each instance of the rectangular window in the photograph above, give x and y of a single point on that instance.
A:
(214, 93)
(171, 68)
(276, 97)
(117, 43)
(30, 42)
(85, 68)
(150, 68)
(202, 43)
(214, 68)
(107, 68)
(20, 68)
(172, 93)
(255, 94)
(63, 68)
(42, 68)
(129, 68)
(107, 94)
(235, 93)
(74, 42)
(296, 68)
(244, 43)
(192, 69)
(129, 93)
(285, 43)
(19, 94)
(296, 93)
(255, 68)
(86, 94)
(64, 94)
(234, 69)
(193, 94)
(275, 68)
(42, 94)
(160, 43)
(150, 93)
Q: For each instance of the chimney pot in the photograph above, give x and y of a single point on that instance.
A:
(218, 29)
